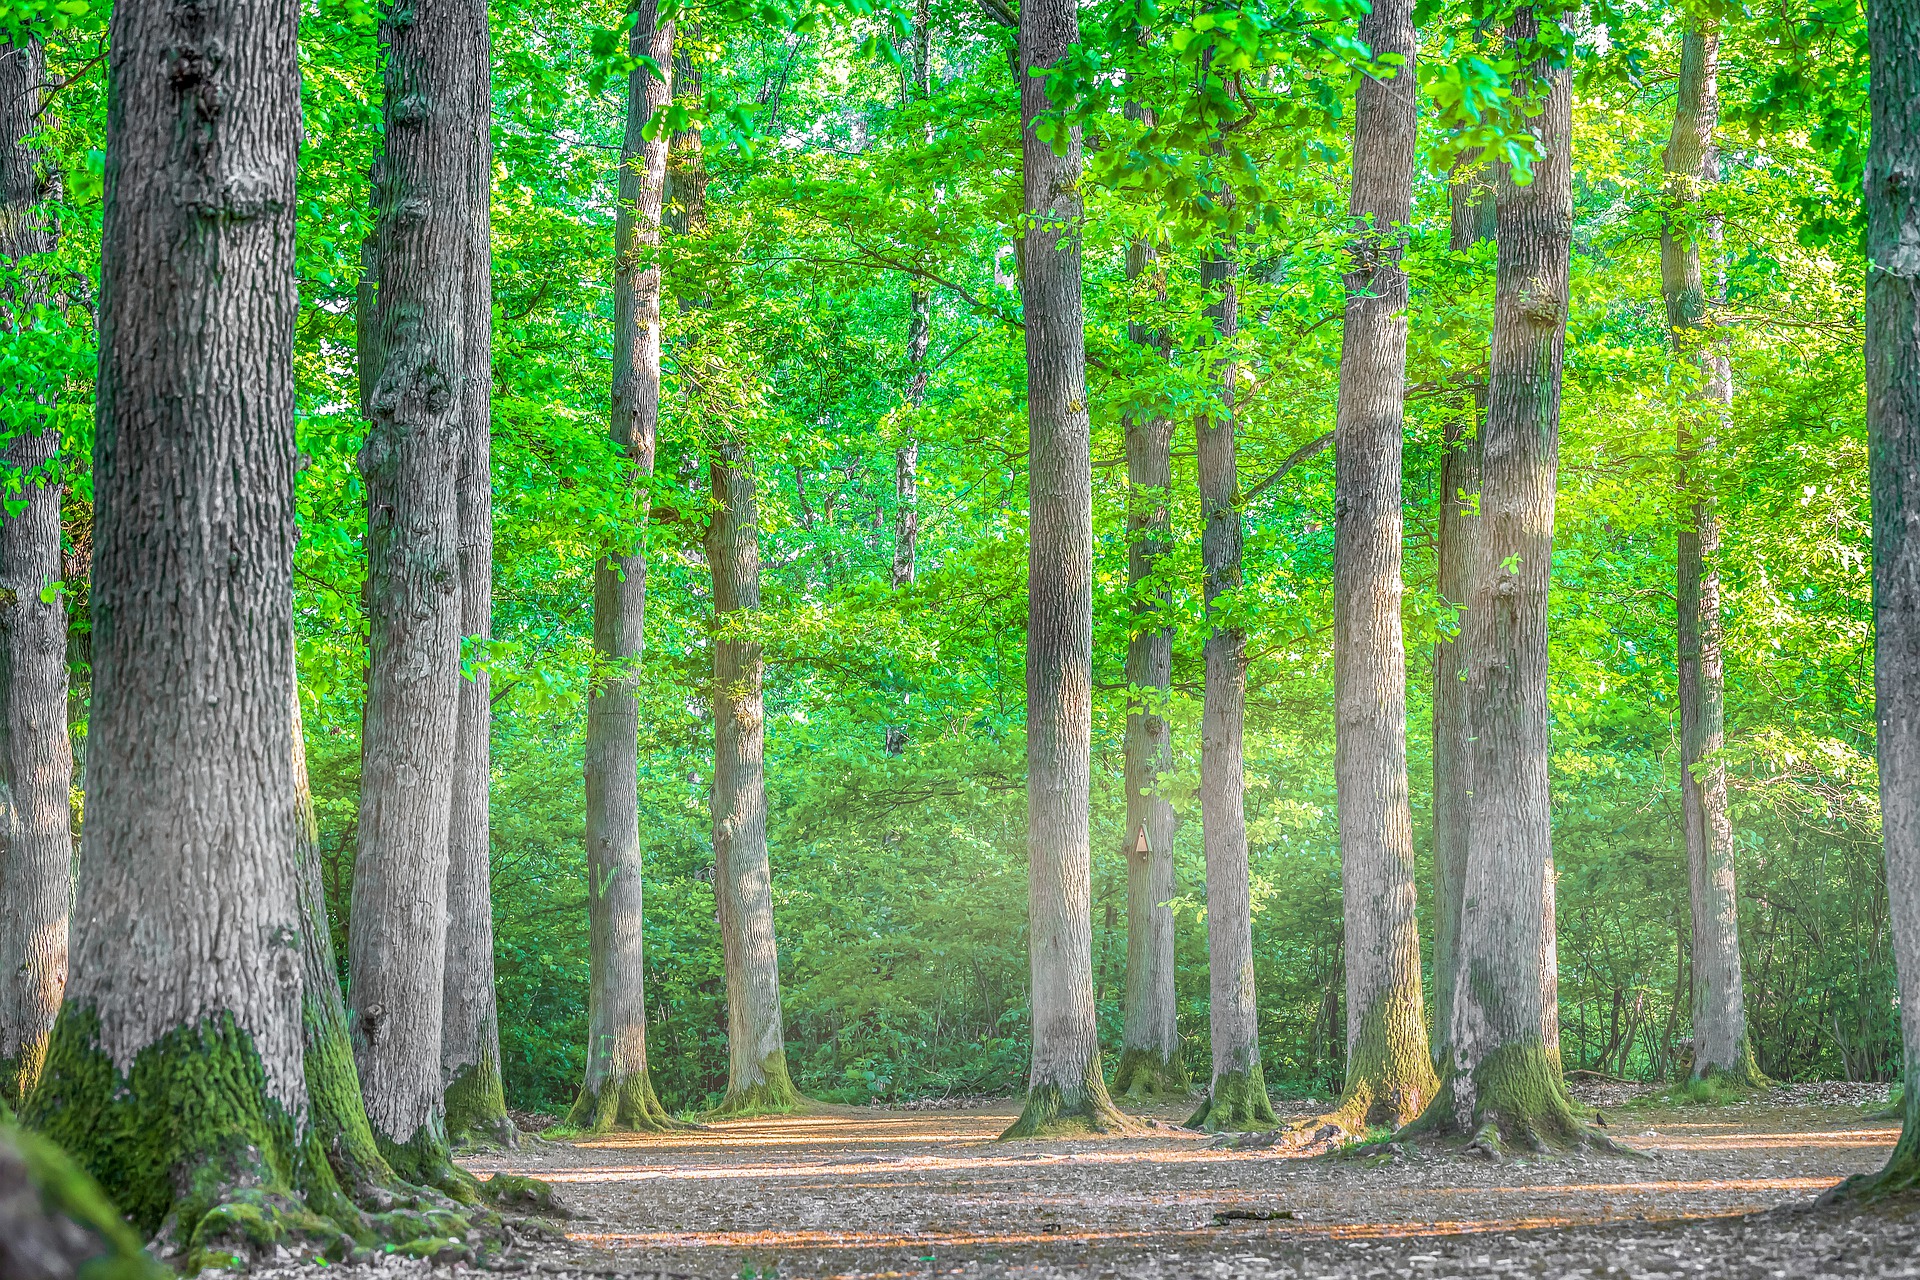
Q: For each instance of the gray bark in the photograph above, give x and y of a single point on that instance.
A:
(36, 755)
(906, 459)
(1065, 1085)
(186, 939)
(1472, 221)
(413, 452)
(470, 1029)
(1693, 165)
(1893, 427)
(1505, 1063)
(1389, 1071)
(756, 1050)
(617, 1090)
(1237, 1094)
(1150, 1057)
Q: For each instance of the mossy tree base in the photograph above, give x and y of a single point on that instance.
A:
(1237, 1103)
(1144, 1076)
(1514, 1101)
(1744, 1074)
(1900, 1177)
(51, 1212)
(1051, 1112)
(477, 1109)
(772, 1095)
(625, 1103)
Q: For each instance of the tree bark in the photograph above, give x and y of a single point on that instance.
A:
(1693, 165)
(1893, 429)
(1237, 1093)
(1389, 1071)
(1472, 219)
(36, 755)
(618, 1090)
(1151, 1064)
(476, 1102)
(423, 241)
(175, 1070)
(757, 1078)
(906, 459)
(1065, 1088)
(1502, 1082)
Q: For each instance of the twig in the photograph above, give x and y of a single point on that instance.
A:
(1294, 459)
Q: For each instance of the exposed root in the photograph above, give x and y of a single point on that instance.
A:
(1237, 1102)
(628, 1104)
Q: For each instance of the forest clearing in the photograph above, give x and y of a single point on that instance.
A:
(870, 1192)
(886, 637)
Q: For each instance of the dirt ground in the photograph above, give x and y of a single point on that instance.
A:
(1721, 1191)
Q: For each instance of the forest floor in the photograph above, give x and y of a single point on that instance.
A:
(1722, 1191)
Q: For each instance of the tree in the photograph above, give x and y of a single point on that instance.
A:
(175, 1070)
(1893, 427)
(1065, 1087)
(415, 399)
(1389, 1072)
(1693, 165)
(1471, 199)
(757, 1078)
(1150, 1063)
(906, 458)
(476, 1103)
(618, 1089)
(36, 755)
(1237, 1093)
(1502, 1081)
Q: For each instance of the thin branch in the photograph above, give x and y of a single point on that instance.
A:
(1294, 459)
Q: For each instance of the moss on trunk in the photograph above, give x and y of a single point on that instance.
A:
(19, 1072)
(1237, 1103)
(1514, 1098)
(1902, 1171)
(1053, 1112)
(189, 1142)
(627, 1102)
(52, 1212)
(1144, 1075)
(1745, 1073)
(477, 1107)
(1390, 1076)
(774, 1094)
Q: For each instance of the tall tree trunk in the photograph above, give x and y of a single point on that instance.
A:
(1472, 222)
(757, 1078)
(1065, 1089)
(1237, 1094)
(1893, 429)
(36, 755)
(423, 232)
(1503, 1079)
(175, 1070)
(906, 459)
(618, 1090)
(470, 1033)
(1151, 1065)
(1693, 165)
(1389, 1071)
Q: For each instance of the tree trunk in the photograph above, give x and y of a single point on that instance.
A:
(470, 1033)
(1065, 1090)
(1893, 428)
(618, 1090)
(1472, 216)
(423, 241)
(1237, 1094)
(36, 755)
(1503, 1079)
(175, 1070)
(1389, 1070)
(906, 459)
(1151, 1065)
(1693, 165)
(757, 1079)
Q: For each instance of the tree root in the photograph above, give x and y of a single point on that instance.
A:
(1051, 1113)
